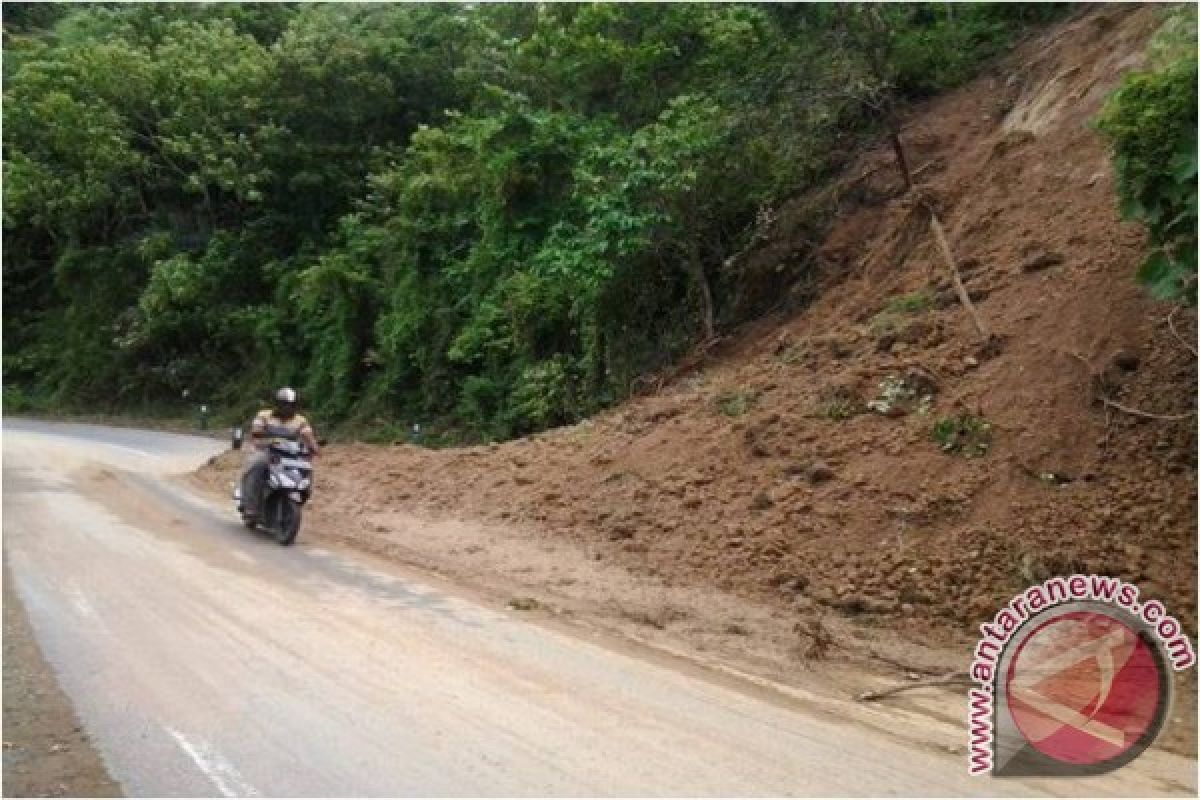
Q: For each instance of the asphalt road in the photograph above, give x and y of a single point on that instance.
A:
(206, 660)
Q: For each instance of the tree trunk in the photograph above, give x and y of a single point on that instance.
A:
(696, 268)
(901, 159)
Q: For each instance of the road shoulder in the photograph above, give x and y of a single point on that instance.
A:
(46, 752)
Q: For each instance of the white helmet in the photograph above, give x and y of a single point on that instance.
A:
(286, 402)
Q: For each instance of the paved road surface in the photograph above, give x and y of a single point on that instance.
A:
(206, 660)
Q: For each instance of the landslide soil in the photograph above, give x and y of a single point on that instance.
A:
(755, 506)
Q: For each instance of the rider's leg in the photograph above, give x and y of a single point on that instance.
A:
(253, 475)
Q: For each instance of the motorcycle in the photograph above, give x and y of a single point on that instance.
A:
(284, 491)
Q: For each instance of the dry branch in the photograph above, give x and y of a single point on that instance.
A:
(1148, 415)
(1109, 403)
(949, 679)
(1175, 333)
(935, 225)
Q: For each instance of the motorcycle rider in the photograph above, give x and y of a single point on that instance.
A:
(279, 421)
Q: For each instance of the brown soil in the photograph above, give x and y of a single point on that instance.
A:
(758, 485)
(46, 753)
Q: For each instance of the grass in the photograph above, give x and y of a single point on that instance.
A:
(735, 403)
(793, 355)
(966, 434)
(892, 317)
(838, 403)
(916, 302)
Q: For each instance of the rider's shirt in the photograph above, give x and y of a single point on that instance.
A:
(268, 424)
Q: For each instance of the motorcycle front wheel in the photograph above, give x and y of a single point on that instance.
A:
(288, 519)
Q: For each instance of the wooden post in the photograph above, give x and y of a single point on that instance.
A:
(939, 235)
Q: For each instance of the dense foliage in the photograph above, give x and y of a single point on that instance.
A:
(490, 218)
(1151, 120)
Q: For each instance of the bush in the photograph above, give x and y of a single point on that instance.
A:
(543, 396)
(1151, 121)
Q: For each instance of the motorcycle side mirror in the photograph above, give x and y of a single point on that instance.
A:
(236, 439)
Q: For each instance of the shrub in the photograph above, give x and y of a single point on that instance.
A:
(965, 434)
(1151, 122)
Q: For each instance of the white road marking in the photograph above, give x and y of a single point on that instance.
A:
(215, 767)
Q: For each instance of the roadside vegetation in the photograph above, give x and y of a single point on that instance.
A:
(1151, 121)
(490, 219)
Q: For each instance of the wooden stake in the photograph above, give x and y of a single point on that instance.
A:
(939, 235)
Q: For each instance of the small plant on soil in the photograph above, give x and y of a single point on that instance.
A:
(735, 403)
(838, 403)
(897, 397)
(793, 355)
(911, 303)
(965, 434)
(894, 315)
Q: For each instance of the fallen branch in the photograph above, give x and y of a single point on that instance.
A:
(901, 665)
(939, 235)
(1107, 429)
(1087, 365)
(924, 167)
(1175, 333)
(949, 679)
(1138, 413)
(1113, 404)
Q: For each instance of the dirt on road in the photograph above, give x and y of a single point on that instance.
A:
(863, 480)
(46, 753)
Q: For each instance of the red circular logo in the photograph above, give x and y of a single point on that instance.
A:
(1084, 688)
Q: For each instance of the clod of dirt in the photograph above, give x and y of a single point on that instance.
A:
(851, 604)
(1126, 360)
(921, 381)
(1039, 261)
(619, 531)
(839, 347)
(761, 502)
(524, 604)
(790, 583)
(819, 472)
